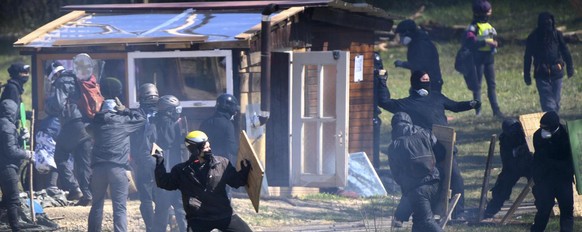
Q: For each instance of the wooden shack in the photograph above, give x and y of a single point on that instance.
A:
(312, 77)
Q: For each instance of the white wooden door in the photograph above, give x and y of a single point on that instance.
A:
(319, 115)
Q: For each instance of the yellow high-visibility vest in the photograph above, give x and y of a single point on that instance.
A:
(485, 32)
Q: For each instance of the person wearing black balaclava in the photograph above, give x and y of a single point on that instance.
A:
(553, 173)
(550, 57)
(516, 162)
(422, 53)
(480, 38)
(19, 75)
(427, 108)
(11, 158)
(220, 127)
(202, 181)
(169, 127)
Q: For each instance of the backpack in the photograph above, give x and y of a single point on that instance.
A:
(90, 98)
(415, 153)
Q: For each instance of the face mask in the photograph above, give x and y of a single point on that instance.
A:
(405, 40)
(482, 18)
(547, 134)
(24, 79)
(422, 92)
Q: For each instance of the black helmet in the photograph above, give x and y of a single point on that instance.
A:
(407, 26)
(148, 94)
(227, 103)
(168, 102)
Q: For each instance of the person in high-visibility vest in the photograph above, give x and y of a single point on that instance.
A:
(480, 37)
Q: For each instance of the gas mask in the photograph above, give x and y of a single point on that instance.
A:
(423, 88)
(546, 134)
(405, 40)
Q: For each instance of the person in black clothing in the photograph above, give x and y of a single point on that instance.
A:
(19, 75)
(422, 54)
(11, 157)
(516, 162)
(427, 108)
(168, 126)
(480, 38)
(220, 128)
(553, 173)
(72, 139)
(202, 180)
(550, 56)
(412, 164)
(110, 162)
(141, 145)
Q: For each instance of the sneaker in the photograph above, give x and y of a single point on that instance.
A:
(75, 195)
(84, 202)
(396, 224)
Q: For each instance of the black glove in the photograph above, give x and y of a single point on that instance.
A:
(245, 167)
(159, 158)
(28, 115)
(570, 71)
(527, 78)
(475, 104)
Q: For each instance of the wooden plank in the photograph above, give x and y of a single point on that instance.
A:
(517, 202)
(257, 172)
(485, 186)
(453, 204)
(446, 136)
(48, 27)
(530, 123)
(132, 40)
(283, 15)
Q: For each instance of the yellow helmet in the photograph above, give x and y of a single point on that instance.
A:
(196, 138)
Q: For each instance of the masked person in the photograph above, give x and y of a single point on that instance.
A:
(553, 173)
(422, 53)
(72, 138)
(169, 139)
(141, 146)
(11, 157)
(412, 163)
(427, 108)
(516, 162)
(480, 38)
(19, 75)
(110, 162)
(202, 180)
(550, 56)
(220, 128)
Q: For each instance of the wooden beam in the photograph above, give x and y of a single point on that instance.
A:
(283, 15)
(352, 20)
(48, 27)
(133, 40)
(485, 186)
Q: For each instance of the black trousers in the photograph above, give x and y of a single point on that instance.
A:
(73, 139)
(421, 199)
(545, 191)
(502, 190)
(230, 224)
(9, 185)
(144, 181)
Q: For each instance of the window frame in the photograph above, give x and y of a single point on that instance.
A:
(132, 88)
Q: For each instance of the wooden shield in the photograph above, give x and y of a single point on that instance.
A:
(445, 136)
(530, 123)
(575, 133)
(255, 179)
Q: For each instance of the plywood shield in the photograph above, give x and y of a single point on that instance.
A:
(446, 136)
(255, 178)
(575, 133)
(530, 123)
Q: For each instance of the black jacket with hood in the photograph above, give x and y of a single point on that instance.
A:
(220, 131)
(547, 48)
(143, 138)
(552, 157)
(111, 132)
(411, 157)
(202, 199)
(13, 90)
(422, 55)
(11, 153)
(425, 111)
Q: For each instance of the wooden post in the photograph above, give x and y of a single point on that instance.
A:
(485, 186)
(449, 212)
(31, 170)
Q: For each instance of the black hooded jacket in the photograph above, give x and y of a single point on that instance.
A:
(11, 152)
(111, 134)
(202, 199)
(422, 55)
(170, 138)
(143, 138)
(13, 90)
(62, 102)
(515, 155)
(547, 48)
(552, 157)
(220, 131)
(424, 111)
(411, 157)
